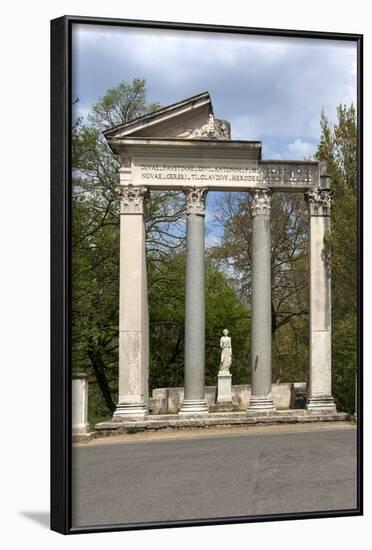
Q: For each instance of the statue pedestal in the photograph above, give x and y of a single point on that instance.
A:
(224, 394)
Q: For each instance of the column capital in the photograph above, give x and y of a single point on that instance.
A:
(319, 201)
(195, 200)
(132, 199)
(261, 202)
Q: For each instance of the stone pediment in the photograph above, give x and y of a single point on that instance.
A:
(192, 118)
(184, 144)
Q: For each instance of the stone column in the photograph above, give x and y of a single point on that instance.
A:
(319, 392)
(133, 311)
(194, 398)
(261, 398)
(79, 403)
(356, 395)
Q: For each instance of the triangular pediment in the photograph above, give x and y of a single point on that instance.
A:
(191, 118)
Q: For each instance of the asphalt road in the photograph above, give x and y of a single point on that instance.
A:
(235, 475)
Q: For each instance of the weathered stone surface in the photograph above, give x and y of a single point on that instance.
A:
(132, 199)
(220, 174)
(184, 144)
(79, 404)
(261, 398)
(195, 201)
(159, 422)
(285, 396)
(133, 311)
(320, 364)
(224, 394)
(224, 406)
(158, 406)
(226, 352)
(191, 118)
(212, 129)
(319, 201)
(194, 401)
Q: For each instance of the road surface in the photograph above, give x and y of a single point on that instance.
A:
(204, 477)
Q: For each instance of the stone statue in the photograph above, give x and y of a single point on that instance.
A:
(226, 353)
(215, 128)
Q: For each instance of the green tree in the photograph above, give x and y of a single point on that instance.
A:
(225, 310)
(167, 310)
(120, 104)
(95, 234)
(289, 258)
(338, 147)
(96, 267)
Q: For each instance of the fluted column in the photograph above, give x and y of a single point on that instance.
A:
(133, 310)
(261, 398)
(194, 397)
(320, 377)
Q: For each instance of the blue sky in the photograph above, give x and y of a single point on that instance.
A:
(270, 89)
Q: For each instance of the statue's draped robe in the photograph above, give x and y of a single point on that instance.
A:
(225, 344)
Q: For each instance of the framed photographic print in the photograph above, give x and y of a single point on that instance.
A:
(206, 274)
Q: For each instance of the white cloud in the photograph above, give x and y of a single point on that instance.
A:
(270, 89)
(301, 149)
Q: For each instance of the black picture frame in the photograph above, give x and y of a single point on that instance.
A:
(61, 249)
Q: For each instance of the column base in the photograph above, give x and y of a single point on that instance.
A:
(261, 404)
(193, 406)
(130, 410)
(80, 429)
(322, 402)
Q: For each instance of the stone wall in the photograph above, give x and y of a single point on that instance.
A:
(285, 396)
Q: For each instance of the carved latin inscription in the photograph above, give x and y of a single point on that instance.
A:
(222, 173)
(197, 173)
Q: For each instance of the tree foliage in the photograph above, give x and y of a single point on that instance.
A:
(167, 311)
(289, 253)
(96, 264)
(95, 261)
(338, 148)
